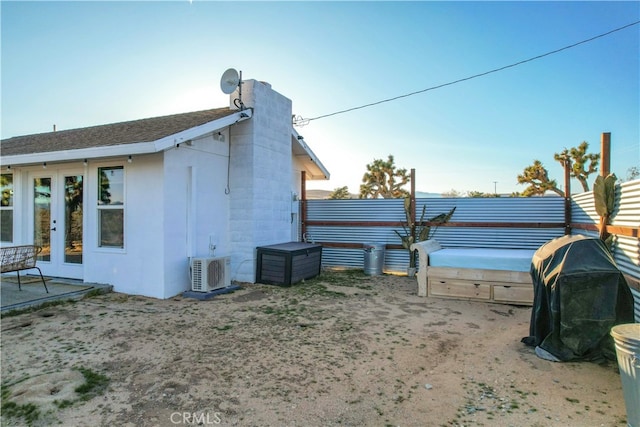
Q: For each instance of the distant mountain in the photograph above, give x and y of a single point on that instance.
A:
(424, 195)
(324, 194)
(318, 194)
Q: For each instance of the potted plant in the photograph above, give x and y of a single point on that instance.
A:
(413, 232)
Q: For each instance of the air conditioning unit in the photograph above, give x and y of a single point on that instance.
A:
(208, 274)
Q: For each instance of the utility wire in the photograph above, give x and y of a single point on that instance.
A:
(299, 121)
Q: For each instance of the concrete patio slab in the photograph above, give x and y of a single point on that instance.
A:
(33, 293)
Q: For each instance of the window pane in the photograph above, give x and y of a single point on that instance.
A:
(111, 228)
(6, 207)
(6, 186)
(111, 186)
(6, 225)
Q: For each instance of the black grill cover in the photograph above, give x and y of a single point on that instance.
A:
(579, 295)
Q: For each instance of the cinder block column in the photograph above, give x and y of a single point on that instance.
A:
(260, 176)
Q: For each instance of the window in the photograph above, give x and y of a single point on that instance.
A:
(6, 208)
(111, 207)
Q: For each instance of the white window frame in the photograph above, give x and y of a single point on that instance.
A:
(102, 207)
(11, 207)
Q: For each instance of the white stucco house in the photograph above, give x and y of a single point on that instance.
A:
(130, 204)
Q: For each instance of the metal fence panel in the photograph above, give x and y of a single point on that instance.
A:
(626, 250)
(626, 210)
(395, 260)
(636, 297)
(498, 238)
(497, 209)
(355, 210)
(345, 234)
(583, 210)
(548, 210)
(533, 210)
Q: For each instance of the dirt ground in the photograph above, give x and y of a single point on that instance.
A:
(343, 349)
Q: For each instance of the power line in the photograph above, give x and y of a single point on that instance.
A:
(299, 121)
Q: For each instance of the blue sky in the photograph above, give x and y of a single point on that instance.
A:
(77, 64)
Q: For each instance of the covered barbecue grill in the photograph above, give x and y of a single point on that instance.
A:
(579, 295)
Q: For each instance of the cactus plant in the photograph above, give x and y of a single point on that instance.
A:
(417, 232)
(604, 195)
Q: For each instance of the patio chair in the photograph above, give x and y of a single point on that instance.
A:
(20, 258)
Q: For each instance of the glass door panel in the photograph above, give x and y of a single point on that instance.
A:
(42, 216)
(73, 211)
(56, 221)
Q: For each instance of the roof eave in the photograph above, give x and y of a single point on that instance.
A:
(202, 130)
(129, 149)
(314, 168)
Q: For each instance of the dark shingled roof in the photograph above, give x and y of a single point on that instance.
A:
(144, 130)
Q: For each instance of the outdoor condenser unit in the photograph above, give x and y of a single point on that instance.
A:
(208, 274)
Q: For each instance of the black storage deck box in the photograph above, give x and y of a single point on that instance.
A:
(288, 263)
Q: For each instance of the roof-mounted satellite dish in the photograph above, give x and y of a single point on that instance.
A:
(230, 81)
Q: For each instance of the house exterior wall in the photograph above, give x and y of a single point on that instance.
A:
(137, 268)
(134, 269)
(261, 170)
(175, 206)
(236, 193)
(196, 208)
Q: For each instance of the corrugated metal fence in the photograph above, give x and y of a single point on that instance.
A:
(626, 249)
(342, 226)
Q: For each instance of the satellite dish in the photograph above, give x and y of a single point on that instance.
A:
(230, 81)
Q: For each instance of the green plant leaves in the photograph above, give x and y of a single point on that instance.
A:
(604, 194)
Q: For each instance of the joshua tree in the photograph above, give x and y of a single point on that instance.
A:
(537, 176)
(380, 180)
(340, 193)
(579, 161)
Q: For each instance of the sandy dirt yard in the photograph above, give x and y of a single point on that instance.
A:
(343, 349)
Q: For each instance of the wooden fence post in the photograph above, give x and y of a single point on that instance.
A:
(567, 196)
(605, 170)
(413, 203)
(605, 154)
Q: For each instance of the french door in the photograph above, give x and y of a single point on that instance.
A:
(56, 221)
